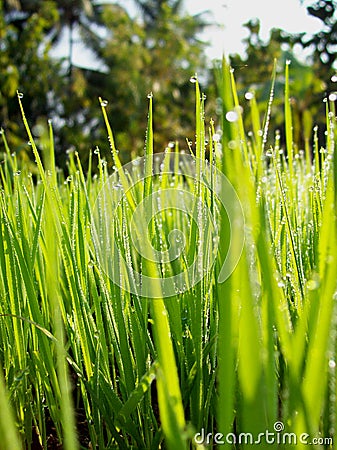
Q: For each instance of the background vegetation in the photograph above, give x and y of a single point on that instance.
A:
(158, 51)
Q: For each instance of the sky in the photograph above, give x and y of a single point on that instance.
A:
(230, 15)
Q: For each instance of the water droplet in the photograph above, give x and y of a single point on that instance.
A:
(17, 173)
(96, 151)
(325, 100)
(332, 364)
(20, 94)
(249, 95)
(104, 103)
(50, 122)
(334, 78)
(29, 143)
(194, 79)
(312, 285)
(171, 144)
(333, 97)
(150, 95)
(1, 131)
(232, 145)
(288, 62)
(232, 116)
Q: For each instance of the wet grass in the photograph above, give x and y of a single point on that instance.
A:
(91, 352)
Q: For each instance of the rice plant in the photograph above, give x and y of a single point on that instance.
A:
(185, 300)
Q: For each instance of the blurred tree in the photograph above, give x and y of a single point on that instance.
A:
(25, 63)
(74, 14)
(323, 43)
(52, 89)
(158, 54)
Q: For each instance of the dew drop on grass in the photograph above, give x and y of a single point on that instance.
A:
(104, 103)
(17, 173)
(332, 364)
(150, 95)
(249, 95)
(334, 78)
(333, 98)
(232, 116)
(312, 285)
(1, 131)
(20, 95)
(232, 145)
(194, 79)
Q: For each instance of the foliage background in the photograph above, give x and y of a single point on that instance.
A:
(155, 52)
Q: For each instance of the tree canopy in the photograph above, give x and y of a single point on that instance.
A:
(155, 52)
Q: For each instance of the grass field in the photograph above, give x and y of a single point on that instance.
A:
(181, 301)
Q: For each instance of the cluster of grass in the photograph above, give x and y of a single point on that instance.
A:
(90, 360)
